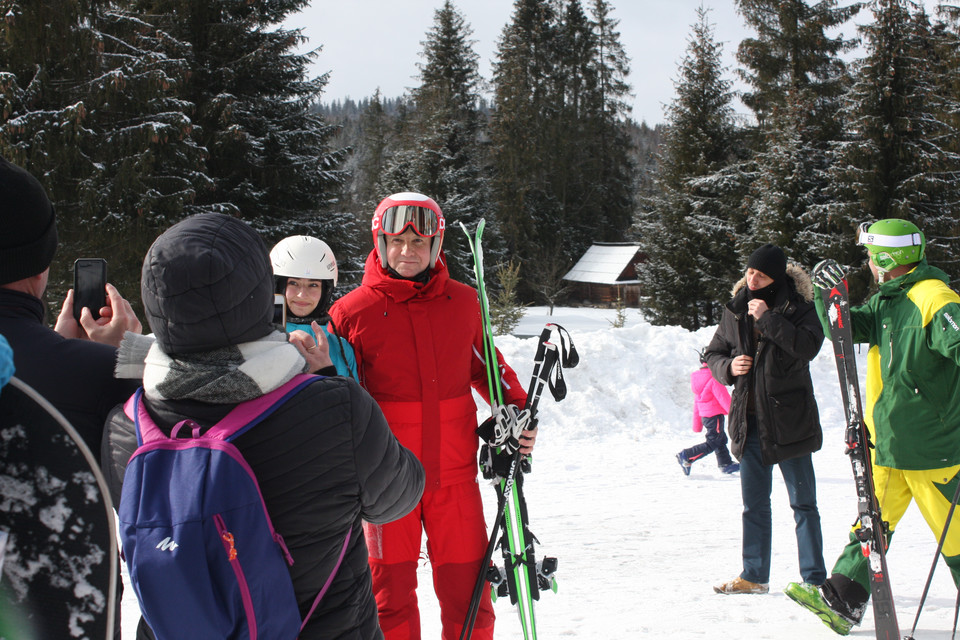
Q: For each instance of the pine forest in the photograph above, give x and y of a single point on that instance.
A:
(135, 114)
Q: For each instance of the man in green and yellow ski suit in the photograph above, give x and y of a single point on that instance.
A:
(912, 325)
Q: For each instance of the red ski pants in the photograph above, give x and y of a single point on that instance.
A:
(452, 518)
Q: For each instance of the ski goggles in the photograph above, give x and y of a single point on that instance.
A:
(879, 239)
(395, 220)
(883, 248)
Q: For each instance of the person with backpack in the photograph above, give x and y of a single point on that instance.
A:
(322, 455)
(418, 338)
(305, 271)
(711, 403)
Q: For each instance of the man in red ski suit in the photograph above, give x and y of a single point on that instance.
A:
(418, 338)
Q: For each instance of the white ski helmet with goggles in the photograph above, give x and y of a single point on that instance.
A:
(892, 242)
(307, 258)
(402, 210)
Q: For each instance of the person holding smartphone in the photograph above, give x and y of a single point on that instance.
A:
(305, 274)
(72, 364)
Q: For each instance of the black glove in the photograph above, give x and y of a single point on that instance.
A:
(504, 428)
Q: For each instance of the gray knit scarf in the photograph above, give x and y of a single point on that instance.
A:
(227, 375)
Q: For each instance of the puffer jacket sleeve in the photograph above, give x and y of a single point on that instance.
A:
(119, 443)
(391, 478)
(720, 394)
(723, 348)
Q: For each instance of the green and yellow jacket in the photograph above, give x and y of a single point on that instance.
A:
(912, 325)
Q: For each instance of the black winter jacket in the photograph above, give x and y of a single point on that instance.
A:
(76, 376)
(790, 337)
(324, 460)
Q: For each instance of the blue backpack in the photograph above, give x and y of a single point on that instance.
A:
(203, 556)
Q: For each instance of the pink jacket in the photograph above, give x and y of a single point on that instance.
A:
(711, 397)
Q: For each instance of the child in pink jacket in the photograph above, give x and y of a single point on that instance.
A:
(711, 404)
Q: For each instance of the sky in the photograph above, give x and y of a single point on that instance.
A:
(640, 546)
(370, 44)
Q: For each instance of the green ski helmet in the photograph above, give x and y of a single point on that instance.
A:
(892, 242)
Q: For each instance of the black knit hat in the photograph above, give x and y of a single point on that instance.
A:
(770, 260)
(207, 283)
(29, 237)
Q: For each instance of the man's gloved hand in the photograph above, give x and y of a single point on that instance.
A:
(827, 274)
(504, 428)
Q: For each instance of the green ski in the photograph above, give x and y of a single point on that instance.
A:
(521, 577)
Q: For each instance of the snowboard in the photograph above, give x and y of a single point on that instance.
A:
(58, 549)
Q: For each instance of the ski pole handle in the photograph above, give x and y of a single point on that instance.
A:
(827, 274)
(550, 357)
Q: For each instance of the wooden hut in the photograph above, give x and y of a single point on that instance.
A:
(607, 270)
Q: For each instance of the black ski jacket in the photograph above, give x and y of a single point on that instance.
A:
(324, 460)
(76, 376)
(790, 337)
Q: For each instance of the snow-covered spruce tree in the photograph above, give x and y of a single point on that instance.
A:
(519, 128)
(792, 51)
(796, 79)
(268, 153)
(944, 57)
(90, 105)
(613, 143)
(440, 152)
(687, 228)
(594, 173)
(899, 158)
(371, 149)
(562, 171)
(369, 134)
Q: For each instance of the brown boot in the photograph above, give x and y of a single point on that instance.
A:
(739, 585)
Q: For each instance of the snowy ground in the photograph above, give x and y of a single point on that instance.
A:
(640, 545)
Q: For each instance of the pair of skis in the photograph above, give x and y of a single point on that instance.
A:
(872, 533)
(521, 576)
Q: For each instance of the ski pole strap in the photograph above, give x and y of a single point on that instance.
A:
(568, 352)
(554, 374)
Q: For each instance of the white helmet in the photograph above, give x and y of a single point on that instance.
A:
(304, 257)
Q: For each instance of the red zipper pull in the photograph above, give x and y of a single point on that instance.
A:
(228, 538)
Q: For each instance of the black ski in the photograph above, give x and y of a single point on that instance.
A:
(873, 530)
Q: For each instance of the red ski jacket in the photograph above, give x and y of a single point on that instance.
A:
(419, 350)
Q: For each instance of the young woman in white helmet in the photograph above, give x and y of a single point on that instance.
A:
(305, 273)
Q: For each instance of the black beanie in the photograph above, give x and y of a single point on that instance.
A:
(770, 260)
(29, 237)
(207, 283)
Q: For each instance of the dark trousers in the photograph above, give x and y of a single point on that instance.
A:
(756, 484)
(715, 442)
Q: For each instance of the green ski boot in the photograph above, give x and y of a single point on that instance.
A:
(808, 596)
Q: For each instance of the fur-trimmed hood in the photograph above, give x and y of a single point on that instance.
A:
(801, 282)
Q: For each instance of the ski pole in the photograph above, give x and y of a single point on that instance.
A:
(546, 360)
(936, 556)
(956, 614)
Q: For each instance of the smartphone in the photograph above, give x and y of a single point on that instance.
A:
(89, 285)
(280, 311)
